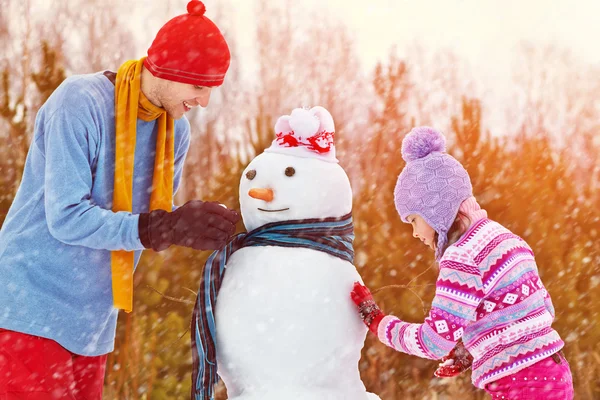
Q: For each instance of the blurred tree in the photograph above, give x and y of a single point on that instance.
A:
(51, 73)
(14, 100)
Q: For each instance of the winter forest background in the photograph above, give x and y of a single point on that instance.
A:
(534, 159)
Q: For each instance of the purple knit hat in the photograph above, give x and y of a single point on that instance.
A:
(433, 184)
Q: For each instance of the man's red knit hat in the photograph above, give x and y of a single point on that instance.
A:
(189, 49)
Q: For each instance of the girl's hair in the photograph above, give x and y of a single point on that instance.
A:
(459, 227)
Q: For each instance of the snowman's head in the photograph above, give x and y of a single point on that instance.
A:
(298, 177)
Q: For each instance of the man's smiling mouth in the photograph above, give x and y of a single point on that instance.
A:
(282, 209)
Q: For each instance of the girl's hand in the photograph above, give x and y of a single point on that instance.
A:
(369, 312)
(455, 363)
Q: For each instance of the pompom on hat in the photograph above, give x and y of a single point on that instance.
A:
(189, 49)
(433, 184)
(305, 133)
(421, 142)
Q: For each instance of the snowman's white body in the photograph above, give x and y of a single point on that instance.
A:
(286, 326)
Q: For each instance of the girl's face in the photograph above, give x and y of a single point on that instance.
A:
(422, 230)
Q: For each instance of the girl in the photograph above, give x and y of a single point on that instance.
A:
(488, 292)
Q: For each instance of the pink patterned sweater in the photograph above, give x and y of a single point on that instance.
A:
(489, 293)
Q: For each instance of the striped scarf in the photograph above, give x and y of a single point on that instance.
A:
(330, 235)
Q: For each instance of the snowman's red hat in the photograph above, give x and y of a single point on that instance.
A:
(305, 133)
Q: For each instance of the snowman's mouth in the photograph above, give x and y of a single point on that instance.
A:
(282, 209)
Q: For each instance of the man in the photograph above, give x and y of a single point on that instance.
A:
(105, 160)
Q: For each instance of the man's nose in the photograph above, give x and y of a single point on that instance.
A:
(203, 99)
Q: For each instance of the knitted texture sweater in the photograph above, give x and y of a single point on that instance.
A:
(489, 293)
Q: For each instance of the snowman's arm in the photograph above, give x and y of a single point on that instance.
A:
(459, 290)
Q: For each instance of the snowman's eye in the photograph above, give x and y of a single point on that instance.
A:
(289, 171)
(251, 174)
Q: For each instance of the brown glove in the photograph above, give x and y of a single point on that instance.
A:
(197, 224)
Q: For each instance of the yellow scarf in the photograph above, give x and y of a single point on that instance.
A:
(131, 104)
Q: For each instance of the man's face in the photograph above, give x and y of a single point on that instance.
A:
(178, 98)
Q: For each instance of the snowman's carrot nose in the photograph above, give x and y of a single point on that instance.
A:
(261, 194)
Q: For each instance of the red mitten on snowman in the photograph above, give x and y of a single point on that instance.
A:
(455, 363)
(369, 312)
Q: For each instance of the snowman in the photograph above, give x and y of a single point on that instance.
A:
(274, 317)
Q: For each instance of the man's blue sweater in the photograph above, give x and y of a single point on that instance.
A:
(56, 241)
